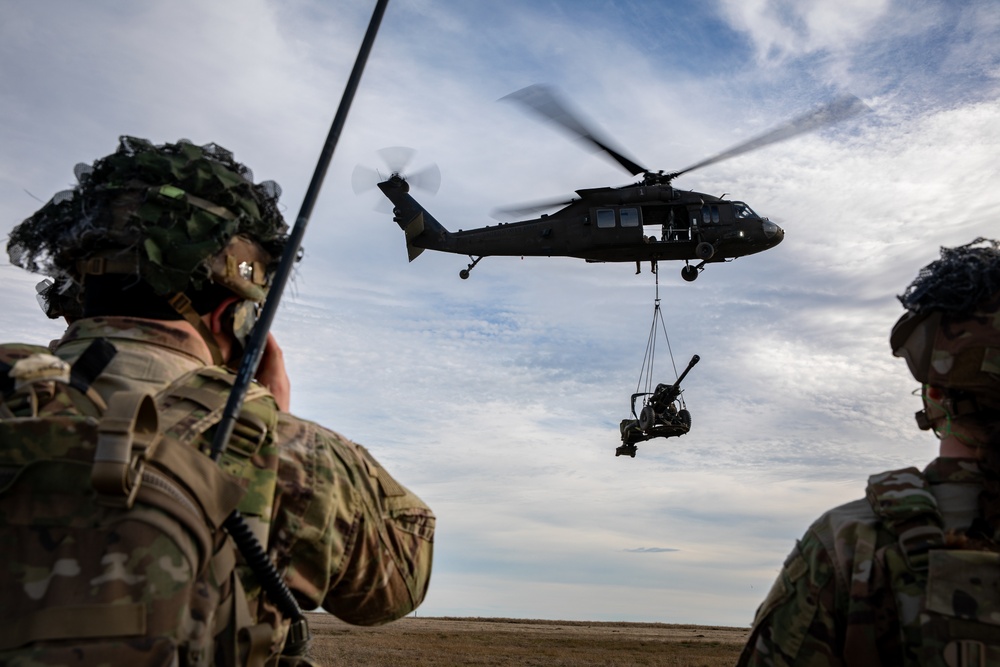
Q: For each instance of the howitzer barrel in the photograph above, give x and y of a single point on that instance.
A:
(695, 359)
(666, 394)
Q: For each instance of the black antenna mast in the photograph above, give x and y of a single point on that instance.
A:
(246, 541)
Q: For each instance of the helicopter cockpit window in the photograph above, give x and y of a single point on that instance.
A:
(605, 217)
(710, 214)
(630, 217)
(742, 211)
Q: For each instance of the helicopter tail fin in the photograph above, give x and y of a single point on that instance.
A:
(421, 229)
(412, 229)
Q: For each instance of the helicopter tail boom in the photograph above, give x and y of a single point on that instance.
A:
(422, 230)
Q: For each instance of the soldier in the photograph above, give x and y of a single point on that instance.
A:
(170, 248)
(911, 574)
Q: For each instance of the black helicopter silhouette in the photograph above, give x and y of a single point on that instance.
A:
(610, 224)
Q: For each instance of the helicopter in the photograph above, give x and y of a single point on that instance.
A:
(648, 220)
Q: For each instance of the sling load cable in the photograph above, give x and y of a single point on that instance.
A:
(646, 372)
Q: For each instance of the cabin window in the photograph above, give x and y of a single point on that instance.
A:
(741, 210)
(605, 217)
(710, 214)
(630, 217)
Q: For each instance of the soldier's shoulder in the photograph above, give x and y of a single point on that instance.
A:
(300, 438)
(794, 624)
(848, 518)
(12, 352)
(838, 532)
(867, 514)
(294, 428)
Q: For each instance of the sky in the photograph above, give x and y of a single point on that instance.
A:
(497, 399)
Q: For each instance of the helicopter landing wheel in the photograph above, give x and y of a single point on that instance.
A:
(689, 273)
(464, 273)
(704, 250)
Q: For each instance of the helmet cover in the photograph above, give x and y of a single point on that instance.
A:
(178, 216)
(950, 334)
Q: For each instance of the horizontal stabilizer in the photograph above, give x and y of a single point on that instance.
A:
(413, 229)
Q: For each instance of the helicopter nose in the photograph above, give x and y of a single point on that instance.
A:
(772, 232)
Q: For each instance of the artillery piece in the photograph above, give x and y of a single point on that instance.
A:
(663, 415)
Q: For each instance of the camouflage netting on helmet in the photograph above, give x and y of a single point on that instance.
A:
(163, 209)
(59, 299)
(950, 336)
(962, 279)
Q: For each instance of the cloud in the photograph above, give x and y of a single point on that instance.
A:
(782, 30)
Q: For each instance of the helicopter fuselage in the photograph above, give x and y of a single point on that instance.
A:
(637, 223)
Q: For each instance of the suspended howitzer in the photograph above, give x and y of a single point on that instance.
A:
(662, 416)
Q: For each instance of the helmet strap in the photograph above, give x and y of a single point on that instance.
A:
(182, 304)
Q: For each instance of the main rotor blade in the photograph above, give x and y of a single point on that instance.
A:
(502, 213)
(839, 109)
(544, 101)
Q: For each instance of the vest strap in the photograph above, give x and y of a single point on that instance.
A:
(182, 304)
(74, 622)
(131, 418)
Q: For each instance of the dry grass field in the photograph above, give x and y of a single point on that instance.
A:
(442, 642)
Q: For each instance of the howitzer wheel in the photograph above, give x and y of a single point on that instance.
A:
(704, 250)
(647, 418)
(684, 417)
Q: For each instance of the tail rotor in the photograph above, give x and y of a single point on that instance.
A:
(396, 160)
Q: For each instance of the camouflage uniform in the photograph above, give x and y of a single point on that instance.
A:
(115, 541)
(854, 589)
(349, 537)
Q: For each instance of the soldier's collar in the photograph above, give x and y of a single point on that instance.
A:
(948, 470)
(139, 330)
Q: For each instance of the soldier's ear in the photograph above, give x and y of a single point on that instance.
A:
(220, 319)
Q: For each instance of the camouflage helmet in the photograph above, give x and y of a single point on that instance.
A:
(950, 334)
(178, 216)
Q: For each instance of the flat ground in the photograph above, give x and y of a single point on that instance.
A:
(442, 642)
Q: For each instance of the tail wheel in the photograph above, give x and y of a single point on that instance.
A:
(689, 273)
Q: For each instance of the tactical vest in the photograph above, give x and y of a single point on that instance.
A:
(947, 600)
(111, 546)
